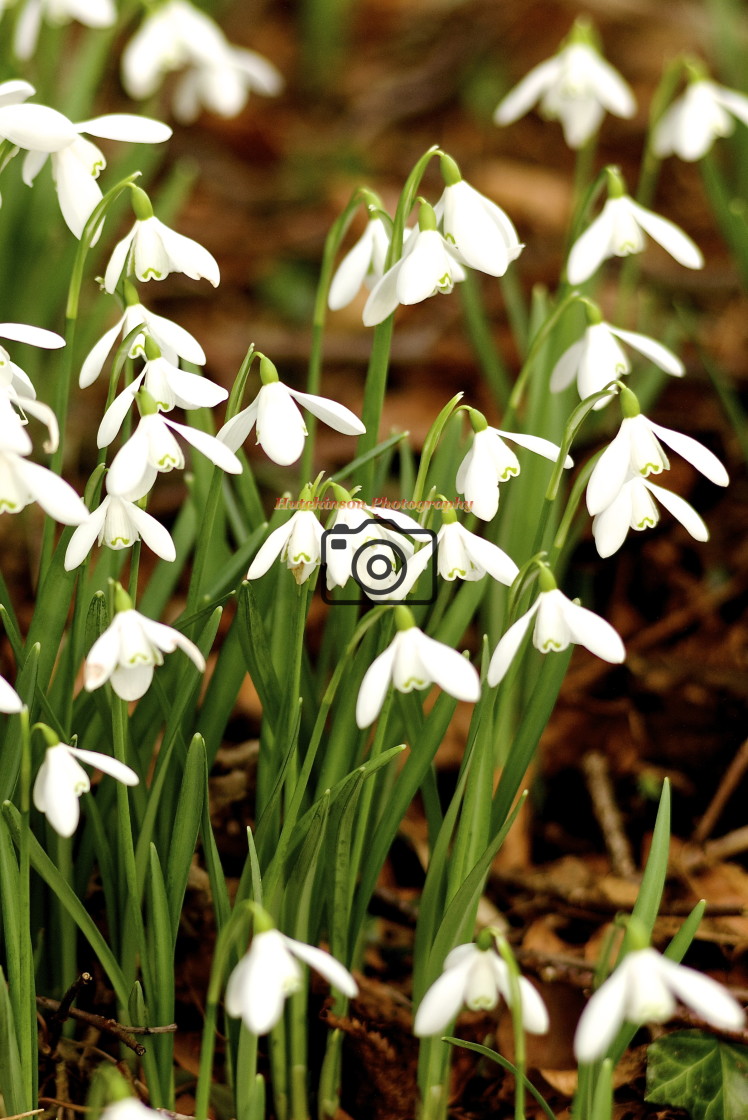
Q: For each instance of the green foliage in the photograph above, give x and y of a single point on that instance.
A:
(693, 1070)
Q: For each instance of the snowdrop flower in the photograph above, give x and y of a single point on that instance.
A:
(689, 127)
(10, 701)
(23, 482)
(173, 341)
(167, 384)
(459, 554)
(152, 251)
(177, 35)
(490, 462)
(619, 230)
(92, 13)
(61, 781)
(118, 523)
(152, 449)
(364, 263)
(269, 973)
(479, 229)
(281, 430)
(413, 660)
(637, 452)
(129, 1108)
(77, 165)
(645, 988)
(634, 508)
(130, 648)
(576, 86)
(298, 543)
(558, 622)
(597, 358)
(478, 977)
(357, 525)
(429, 264)
(11, 375)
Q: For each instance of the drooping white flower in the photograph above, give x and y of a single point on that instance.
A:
(381, 534)
(130, 648)
(577, 86)
(429, 264)
(281, 430)
(558, 623)
(77, 165)
(298, 543)
(619, 231)
(413, 660)
(129, 1108)
(490, 462)
(92, 13)
(477, 978)
(689, 127)
(118, 523)
(175, 35)
(10, 701)
(479, 229)
(634, 508)
(269, 973)
(645, 988)
(61, 780)
(23, 482)
(152, 251)
(174, 341)
(636, 451)
(597, 359)
(460, 554)
(11, 375)
(362, 264)
(168, 386)
(152, 448)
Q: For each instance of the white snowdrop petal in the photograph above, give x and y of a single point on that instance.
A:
(54, 495)
(601, 1018)
(351, 272)
(132, 682)
(653, 350)
(270, 550)
(594, 633)
(694, 452)
(524, 95)
(589, 251)
(83, 538)
(153, 533)
(534, 1012)
(107, 765)
(36, 127)
(335, 415)
(442, 1001)
(681, 511)
(126, 126)
(610, 527)
(97, 355)
(10, 701)
(677, 243)
(449, 669)
(325, 964)
(117, 262)
(189, 256)
(493, 559)
(236, 430)
(209, 446)
(540, 446)
(609, 473)
(565, 369)
(705, 996)
(374, 687)
(506, 650)
(383, 298)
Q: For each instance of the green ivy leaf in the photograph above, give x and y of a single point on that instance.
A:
(697, 1072)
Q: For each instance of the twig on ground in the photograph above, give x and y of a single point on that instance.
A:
(110, 1026)
(725, 790)
(605, 808)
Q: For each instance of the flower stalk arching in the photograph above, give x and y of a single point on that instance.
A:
(376, 375)
(536, 346)
(333, 241)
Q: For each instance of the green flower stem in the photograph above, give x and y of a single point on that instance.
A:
(481, 338)
(434, 1060)
(235, 926)
(515, 1006)
(583, 171)
(27, 1043)
(246, 1074)
(333, 241)
(539, 340)
(126, 851)
(376, 376)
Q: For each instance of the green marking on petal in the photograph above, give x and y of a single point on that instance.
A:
(167, 463)
(413, 682)
(154, 273)
(645, 523)
(5, 503)
(122, 542)
(510, 472)
(551, 646)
